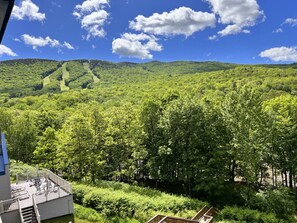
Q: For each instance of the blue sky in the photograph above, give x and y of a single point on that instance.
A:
(237, 31)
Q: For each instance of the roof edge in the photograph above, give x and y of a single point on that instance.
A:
(6, 18)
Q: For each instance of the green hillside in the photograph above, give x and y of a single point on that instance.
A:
(34, 77)
(20, 78)
(24, 77)
(221, 133)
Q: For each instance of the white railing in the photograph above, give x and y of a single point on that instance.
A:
(20, 212)
(8, 205)
(65, 185)
(36, 209)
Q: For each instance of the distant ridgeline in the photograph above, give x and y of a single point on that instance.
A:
(19, 78)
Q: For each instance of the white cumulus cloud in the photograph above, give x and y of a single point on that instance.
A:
(27, 10)
(278, 30)
(181, 21)
(68, 46)
(37, 42)
(91, 5)
(236, 14)
(4, 50)
(214, 37)
(280, 54)
(92, 16)
(291, 22)
(136, 45)
(230, 29)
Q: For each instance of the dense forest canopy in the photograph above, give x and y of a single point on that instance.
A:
(195, 128)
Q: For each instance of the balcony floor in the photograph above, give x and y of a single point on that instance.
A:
(25, 190)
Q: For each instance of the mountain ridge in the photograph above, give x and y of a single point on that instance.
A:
(26, 77)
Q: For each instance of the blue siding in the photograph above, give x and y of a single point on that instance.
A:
(3, 155)
(4, 150)
(2, 167)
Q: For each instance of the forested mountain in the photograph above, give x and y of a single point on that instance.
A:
(21, 78)
(34, 77)
(224, 133)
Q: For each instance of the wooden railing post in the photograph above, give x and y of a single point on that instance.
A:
(156, 218)
(200, 213)
(205, 215)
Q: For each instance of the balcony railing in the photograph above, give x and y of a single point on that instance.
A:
(205, 215)
(169, 219)
(20, 212)
(36, 209)
(156, 218)
(200, 213)
(65, 185)
(8, 205)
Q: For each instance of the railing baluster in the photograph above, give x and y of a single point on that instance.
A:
(156, 218)
(20, 211)
(59, 181)
(36, 209)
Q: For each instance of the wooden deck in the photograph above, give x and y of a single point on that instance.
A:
(205, 215)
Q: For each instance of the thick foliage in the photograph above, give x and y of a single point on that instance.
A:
(247, 215)
(279, 201)
(24, 77)
(171, 126)
(76, 70)
(135, 202)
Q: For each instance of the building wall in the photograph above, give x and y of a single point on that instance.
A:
(56, 208)
(11, 217)
(5, 192)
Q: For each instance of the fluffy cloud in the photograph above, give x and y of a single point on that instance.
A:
(280, 54)
(236, 14)
(92, 16)
(230, 29)
(37, 42)
(291, 21)
(181, 21)
(91, 5)
(278, 30)
(67, 46)
(27, 10)
(4, 50)
(212, 37)
(136, 45)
